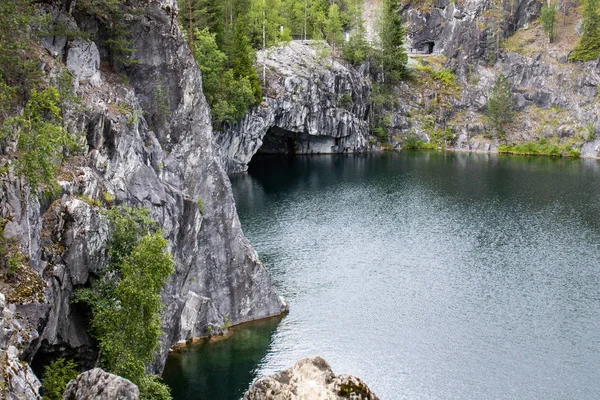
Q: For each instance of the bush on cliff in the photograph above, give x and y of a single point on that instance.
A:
(500, 106)
(57, 376)
(126, 302)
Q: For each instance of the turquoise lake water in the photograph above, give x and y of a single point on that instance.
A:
(429, 275)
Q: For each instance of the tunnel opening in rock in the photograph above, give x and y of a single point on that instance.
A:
(282, 141)
(427, 47)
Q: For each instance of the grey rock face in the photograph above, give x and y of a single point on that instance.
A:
(165, 167)
(311, 105)
(459, 30)
(309, 378)
(99, 385)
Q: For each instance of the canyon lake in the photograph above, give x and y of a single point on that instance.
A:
(428, 275)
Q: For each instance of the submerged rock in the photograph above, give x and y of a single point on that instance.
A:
(309, 378)
(97, 384)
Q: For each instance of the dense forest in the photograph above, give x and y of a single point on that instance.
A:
(224, 37)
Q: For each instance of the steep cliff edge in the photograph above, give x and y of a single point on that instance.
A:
(313, 105)
(133, 154)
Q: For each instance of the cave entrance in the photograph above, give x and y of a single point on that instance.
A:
(427, 47)
(282, 141)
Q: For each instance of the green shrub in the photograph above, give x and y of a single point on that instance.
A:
(412, 142)
(500, 106)
(56, 377)
(591, 131)
(200, 203)
(345, 100)
(112, 15)
(41, 140)
(126, 302)
(548, 19)
(152, 388)
(542, 147)
(108, 197)
(11, 257)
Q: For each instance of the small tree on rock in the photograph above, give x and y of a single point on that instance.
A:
(548, 19)
(500, 106)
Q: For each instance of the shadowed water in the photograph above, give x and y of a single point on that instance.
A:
(429, 275)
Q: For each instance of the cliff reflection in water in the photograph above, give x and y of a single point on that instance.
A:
(222, 368)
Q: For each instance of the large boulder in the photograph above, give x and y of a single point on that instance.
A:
(309, 378)
(97, 384)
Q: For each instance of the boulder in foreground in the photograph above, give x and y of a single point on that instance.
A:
(309, 378)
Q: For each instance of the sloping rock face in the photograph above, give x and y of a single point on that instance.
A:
(99, 385)
(309, 378)
(460, 29)
(163, 159)
(311, 105)
(556, 100)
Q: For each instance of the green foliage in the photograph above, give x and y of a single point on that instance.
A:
(588, 48)
(20, 72)
(357, 49)
(131, 114)
(590, 128)
(108, 197)
(11, 257)
(345, 100)
(91, 202)
(112, 15)
(495, 17)
(228, 96)
(161, 105)
(41, 140)
(382, 99)
(127, 227)
(333, 26)
(499, 108)
(242, 58)
(225, 34)
(445, 77)
(152, 388)
(126, 303)
(548, 19)
(412, 142)
(200, 203)
(392, 55)
(542, 147)
(56, 376)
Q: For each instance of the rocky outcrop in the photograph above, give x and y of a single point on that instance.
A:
(99, 385)
(460, 30)
(312, 104)
(17, 380)
(167, 163)
(309, 378)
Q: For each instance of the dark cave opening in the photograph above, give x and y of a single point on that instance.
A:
(282, 141)
(427, 47)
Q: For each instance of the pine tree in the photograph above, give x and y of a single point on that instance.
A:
(242, 60)
(500, 106)
(357, 48)
(588, 48)
(393, 56)
(548, 19)
(333, 26)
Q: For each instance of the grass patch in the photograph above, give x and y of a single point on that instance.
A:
(542, 147)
